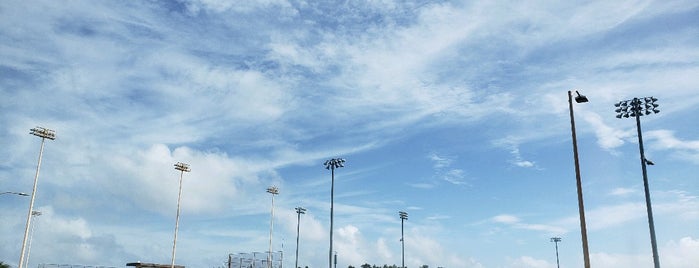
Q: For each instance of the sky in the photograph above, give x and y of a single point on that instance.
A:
(455, 112)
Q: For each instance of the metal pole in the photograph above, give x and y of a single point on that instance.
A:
(272, 190)
(332, 193)
(651, 225)
(299, 211)
(556, 240)
(402, 242)
(31, 206)
(581, 207)
(177, 221)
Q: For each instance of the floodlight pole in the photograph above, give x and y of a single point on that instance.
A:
(556, 240)
(331, 165)
(182, 167)
(31, 235)
(44, 134)
(403, 216)
(636, 107)
(274, 191)
(578, 180)
(299, 211)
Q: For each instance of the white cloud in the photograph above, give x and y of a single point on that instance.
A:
(516, 223)
(607, 137)
(530, 262)
(505, 218)
(622, 192)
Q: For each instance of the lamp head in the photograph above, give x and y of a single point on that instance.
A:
(580, 98)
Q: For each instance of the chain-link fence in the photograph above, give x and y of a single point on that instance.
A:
(254, 260)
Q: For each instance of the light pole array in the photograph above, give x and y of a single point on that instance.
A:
(274, 191)
(556, 240)
(581, 207)
(299, 211)
(182, 167)
(332, 164)
(29, 248)
(638, 107)
(403, 216)
(43, 133)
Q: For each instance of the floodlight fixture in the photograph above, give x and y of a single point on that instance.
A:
(273, 190)
(334, 163)
(43, 133)
(636, 108)
(182, 167)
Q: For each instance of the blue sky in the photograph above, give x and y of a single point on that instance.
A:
(455, 112)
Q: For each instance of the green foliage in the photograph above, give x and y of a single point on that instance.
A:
(4, 265)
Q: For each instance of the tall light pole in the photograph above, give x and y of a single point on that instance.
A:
(581, 207)
(29, 248)
(556, 240)
(299, 211)
(403, 216)
(274, 191)
(182, 167)
(43, 133)
(332, 164)
(637, 107)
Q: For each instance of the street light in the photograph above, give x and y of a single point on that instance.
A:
(274, 191)
(182, 167)
(332, 164)
(581, 206)
(403, 217)
(29, 248)
(299, 211)
(638, 107)
(556, 240)
(16, 193)
(43, 133)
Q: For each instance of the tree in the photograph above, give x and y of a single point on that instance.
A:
(4, 265)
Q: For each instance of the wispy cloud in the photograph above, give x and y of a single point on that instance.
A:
(444, 171)
(515, 222)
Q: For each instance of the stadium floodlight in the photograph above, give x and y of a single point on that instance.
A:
(299, 211)
(35, 214)
(274, 191)
(43, 133)
(638, 107)
(403, 216)
(182, 167)
(331, 165)
(556, 240)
